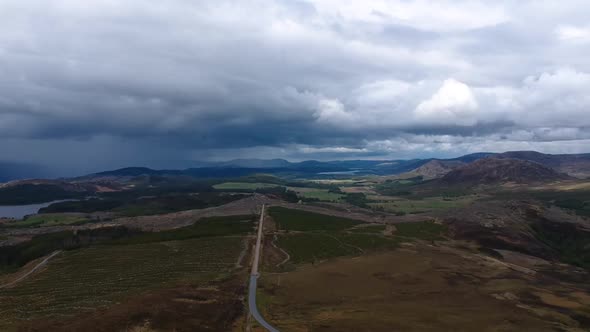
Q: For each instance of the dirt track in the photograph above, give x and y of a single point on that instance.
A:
(31, 271)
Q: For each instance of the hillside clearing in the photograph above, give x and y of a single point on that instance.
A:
(99, 276)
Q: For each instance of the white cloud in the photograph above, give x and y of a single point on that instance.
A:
(576, 34)
(332, 111)
(381, 92)
(442, 15)
(558, 98)
(454, 103)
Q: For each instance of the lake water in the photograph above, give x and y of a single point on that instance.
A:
(19, 211)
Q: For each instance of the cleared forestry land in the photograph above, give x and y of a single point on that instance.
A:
(90, 278)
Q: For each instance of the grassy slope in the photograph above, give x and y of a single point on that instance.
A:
(99, 276)
(13, 257)
(319, 194)
(311, 247)
(577, 201)
(297, 220)
(313, 237)
(122, 264)
(570, 243)
(423, 205)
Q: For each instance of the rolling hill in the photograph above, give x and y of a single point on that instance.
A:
(436, 168)
(577, 165)
(492, 170)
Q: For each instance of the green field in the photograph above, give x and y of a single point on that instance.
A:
(423, 205)
(243, 185)
(322, 195)
(50, 220)
(98, 276)
(317, 194)
(297, 220)
(318, 237)
(321, 236)
(313, 247)
(368, 229)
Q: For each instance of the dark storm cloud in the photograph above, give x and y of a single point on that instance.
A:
(479, 129)
(184, 80)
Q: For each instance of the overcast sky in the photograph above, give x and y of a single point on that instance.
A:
(87, 85)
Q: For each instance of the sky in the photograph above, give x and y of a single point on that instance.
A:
(91, 85)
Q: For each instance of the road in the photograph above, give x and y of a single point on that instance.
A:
(38, 266)
(253, 279)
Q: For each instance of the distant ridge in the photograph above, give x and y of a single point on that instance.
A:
(130, 171)
(577, 165)
(436, 168)
(493, 170)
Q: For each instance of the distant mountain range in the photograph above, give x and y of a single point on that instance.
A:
(474, 170)
(576, 165)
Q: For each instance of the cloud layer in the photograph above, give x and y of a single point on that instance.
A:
(190, 80)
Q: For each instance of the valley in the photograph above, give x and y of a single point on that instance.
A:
(496, 243)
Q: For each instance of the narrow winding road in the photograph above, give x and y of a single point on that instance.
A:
(253, 279)
(35, 268)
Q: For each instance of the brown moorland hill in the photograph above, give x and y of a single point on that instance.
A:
(437, 168)
(576, 165)
(488, 171)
